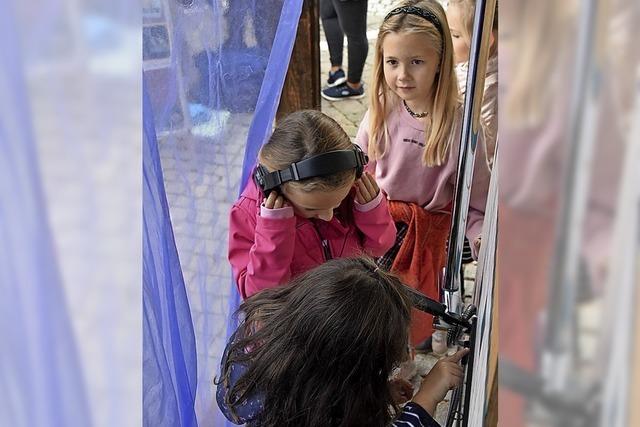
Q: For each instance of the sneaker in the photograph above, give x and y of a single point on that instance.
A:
(343, 91)
(336, 78)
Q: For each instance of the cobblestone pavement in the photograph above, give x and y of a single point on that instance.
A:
(202, 180)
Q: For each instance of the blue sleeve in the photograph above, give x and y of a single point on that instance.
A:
(414, 415)
(245, 411)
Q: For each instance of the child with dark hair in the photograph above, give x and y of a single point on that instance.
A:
(320, 351)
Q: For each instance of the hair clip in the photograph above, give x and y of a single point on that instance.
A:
(412, 10)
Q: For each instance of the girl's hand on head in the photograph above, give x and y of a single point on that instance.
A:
(275, 201)
(366, 188)
(445, 375)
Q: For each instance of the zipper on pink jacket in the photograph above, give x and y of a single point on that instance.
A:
(326, 249)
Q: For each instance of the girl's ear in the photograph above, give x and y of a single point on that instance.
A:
(492, 39)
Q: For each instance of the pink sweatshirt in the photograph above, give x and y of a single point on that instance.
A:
(267, 247)
(402, 175)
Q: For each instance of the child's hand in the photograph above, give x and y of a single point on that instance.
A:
(445, 375)
(275, 201)
(477, 242)
(401, 390)
(366, 188)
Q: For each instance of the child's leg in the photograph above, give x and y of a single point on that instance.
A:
(353, 21)
(333, 32)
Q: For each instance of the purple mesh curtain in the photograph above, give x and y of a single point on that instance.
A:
(70, 219)
(169, 363)
(38, 386)
(213, 74)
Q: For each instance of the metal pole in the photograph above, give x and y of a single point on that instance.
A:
(483, 21)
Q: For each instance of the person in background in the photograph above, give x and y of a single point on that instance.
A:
(340, 18)
(460, 15)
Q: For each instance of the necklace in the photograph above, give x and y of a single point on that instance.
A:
(416, 115)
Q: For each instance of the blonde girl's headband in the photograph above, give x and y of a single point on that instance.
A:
(412, 10)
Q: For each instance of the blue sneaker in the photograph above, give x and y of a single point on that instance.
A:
(343, 91)
(336, 78)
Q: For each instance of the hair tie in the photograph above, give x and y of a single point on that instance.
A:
(412, 10)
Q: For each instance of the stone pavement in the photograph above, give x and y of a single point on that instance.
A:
(201, 182)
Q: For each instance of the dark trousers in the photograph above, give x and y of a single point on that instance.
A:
(340, 18)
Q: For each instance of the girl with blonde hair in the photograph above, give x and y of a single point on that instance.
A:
(411, 134)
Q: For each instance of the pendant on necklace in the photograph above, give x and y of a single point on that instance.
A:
(416, 115)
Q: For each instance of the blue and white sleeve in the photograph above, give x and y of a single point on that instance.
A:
(414, 415)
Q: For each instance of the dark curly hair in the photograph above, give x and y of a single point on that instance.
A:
(321, 349)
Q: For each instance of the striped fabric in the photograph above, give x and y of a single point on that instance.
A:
(413, 415)
(466, 252)
(386, 261)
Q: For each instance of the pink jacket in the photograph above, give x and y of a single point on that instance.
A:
(267, 247)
